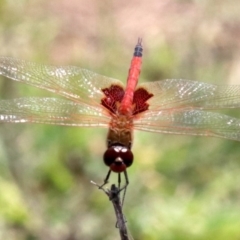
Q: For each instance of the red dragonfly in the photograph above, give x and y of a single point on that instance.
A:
(173, 106)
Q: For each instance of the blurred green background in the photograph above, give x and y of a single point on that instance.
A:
(181, 187)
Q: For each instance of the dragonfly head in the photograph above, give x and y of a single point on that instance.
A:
(118, 158)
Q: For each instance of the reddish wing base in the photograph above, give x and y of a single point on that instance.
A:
(140, 98)
(114, 96)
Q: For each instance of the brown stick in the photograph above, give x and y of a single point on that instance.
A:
(114, 197)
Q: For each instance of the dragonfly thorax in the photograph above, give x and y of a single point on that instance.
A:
(120, 131)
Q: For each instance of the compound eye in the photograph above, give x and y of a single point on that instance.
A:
(127, 156)
(115, 153)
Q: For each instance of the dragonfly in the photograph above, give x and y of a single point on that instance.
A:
(172, 106)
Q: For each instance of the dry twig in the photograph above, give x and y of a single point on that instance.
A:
(114, 197)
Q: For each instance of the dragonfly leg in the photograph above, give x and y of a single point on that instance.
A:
(105, 181)
(126, 181)
(124, 188)
(119, 180)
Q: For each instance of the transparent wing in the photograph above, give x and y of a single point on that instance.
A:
(79, 85)
(52, 111)
(180, 93)
(190, 122)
